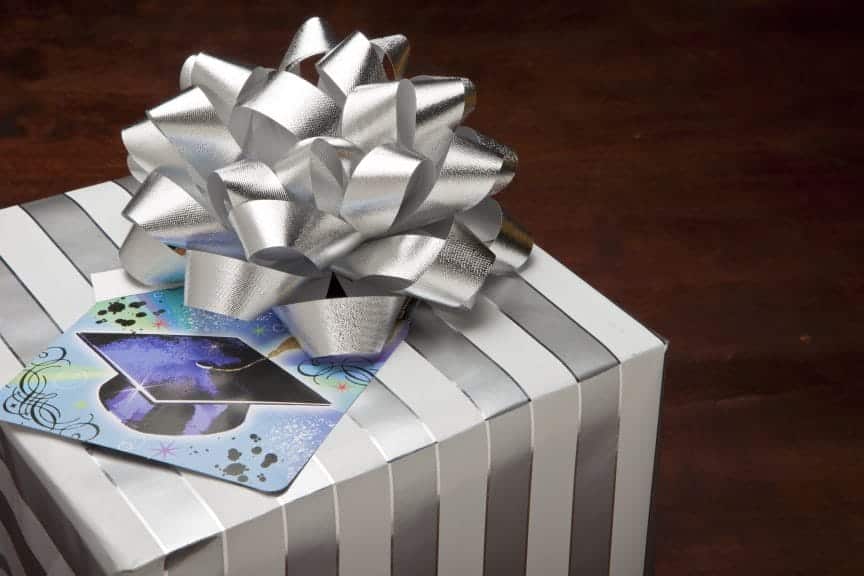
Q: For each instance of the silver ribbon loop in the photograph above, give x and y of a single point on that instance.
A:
(458, 272)
(234, 287)
(393, 51)
(190, 124)
(275, 233)
(387, 178)
(353, 62)
(267, 126)
(340, 326)
(220, 80)
(313, 38)
(149, 261)
(264, 191)
(442, 104)
(172, 215)
(394, 262)
(241, 182)
(507, 240)
(377, 114)
(148, 150)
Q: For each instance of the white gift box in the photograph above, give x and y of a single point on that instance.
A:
(517, 438)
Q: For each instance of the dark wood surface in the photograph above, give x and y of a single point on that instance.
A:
(699, 162)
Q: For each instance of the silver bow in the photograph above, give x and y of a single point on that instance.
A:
(335, 204)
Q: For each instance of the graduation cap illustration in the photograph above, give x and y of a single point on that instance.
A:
(178, 384)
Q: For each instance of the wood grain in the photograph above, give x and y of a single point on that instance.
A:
(699, 162)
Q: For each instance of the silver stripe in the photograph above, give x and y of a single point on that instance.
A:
(409, 449)
(504, 405)
(104, 203)
(415, 514)
(509, 497)
(581, 352)
(596, 458)
(24, 325)
(74, 233)
(312, 536)
(594, 483)
(488, 386)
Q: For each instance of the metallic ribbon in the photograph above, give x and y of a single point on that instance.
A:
(334, 203)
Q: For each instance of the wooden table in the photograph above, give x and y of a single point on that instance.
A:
(701, 163)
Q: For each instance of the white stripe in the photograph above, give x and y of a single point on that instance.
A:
(555, 409)
(104, 203)
(639, 412)
(463, 456)
(363, 500)
(641, 355)
(41, 266)
(623, 335)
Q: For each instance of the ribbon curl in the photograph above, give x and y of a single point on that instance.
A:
(335, 203)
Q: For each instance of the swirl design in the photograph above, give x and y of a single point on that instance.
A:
(30, 400)
(355, 370)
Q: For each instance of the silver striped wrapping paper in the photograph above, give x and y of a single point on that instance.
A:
(517, 438)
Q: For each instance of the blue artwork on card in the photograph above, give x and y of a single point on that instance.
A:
(148, 376)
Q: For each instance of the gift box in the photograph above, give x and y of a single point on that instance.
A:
(306, 287)
(514, 438)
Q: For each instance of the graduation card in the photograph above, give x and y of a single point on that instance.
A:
(149, 376)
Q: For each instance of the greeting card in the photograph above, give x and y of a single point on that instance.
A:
(151, 377)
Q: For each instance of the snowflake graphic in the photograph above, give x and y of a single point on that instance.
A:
(165, 450)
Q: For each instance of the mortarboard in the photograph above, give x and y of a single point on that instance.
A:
(179, 384)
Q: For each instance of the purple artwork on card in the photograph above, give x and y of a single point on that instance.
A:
(180, 384)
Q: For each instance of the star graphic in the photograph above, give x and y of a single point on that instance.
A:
(259, 330)
(342, 387)
(159, 323)
(80, 404)
(165, 450)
